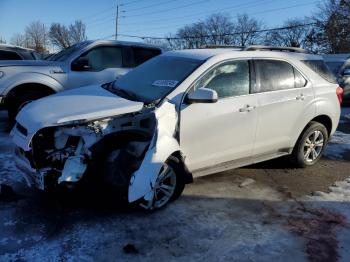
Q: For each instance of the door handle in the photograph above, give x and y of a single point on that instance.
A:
(246, 108)
(300, 97)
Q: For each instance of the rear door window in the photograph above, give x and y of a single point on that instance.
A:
(276, 75)
(141, 55)
(9, 55)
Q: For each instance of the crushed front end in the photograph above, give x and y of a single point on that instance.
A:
(62, 155)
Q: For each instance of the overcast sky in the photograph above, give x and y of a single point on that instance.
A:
(141, 17)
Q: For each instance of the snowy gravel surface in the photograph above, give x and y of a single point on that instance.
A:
(223, 217)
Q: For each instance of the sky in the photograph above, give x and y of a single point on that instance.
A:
(142, 17)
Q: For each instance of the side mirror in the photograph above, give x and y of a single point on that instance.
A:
(346, 72)
(81, 64)
(202, 95)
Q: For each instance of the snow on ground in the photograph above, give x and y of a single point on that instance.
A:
(8, 171)
(338, 146)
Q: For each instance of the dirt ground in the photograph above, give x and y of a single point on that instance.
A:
(281, 215)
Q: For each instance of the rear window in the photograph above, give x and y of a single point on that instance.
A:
(141, 55)
(320, 68)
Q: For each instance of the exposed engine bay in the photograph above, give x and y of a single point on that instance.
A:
(128, 150)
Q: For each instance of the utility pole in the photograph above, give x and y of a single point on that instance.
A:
(116, 23)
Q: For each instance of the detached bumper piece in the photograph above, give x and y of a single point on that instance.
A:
(39, 179)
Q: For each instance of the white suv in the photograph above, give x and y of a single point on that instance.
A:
(180, 115)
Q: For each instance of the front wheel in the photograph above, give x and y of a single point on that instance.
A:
(310, 146)
(168, 187)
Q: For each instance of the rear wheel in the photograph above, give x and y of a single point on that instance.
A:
(168, 187)
(311, 145)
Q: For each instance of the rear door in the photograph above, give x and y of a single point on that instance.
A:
(284, 103)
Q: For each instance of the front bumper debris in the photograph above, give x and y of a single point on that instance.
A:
(30, 175)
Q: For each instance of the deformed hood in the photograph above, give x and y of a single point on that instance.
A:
(87, 103)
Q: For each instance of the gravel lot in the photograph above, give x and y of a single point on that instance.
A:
(282, 214)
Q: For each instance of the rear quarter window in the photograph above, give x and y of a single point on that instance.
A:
(320, 68)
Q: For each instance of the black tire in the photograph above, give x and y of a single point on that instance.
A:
(174, 164)
(299, 155)
(16, 102)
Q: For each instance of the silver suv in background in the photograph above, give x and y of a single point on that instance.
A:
(339, 64)
(11, 52)
(85, 63)
(180, 115)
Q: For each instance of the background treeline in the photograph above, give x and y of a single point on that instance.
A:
(326, 31)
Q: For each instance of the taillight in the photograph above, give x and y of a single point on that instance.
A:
(340, 93)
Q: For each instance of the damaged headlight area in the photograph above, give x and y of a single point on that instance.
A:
(107, 150)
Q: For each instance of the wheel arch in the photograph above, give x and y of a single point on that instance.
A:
(21, 88)
(322, 119)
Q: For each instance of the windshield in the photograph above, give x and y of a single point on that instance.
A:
(156, 78)
(65, 53)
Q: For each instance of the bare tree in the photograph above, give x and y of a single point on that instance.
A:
(217, 29)
(332, 29)
(19, 40)
(247, 30)
(295, 33)
(37, 36)
(63, 36)
(2, 41)
(77, 32)
(59, 35)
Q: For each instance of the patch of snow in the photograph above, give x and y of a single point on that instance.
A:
(338, 145)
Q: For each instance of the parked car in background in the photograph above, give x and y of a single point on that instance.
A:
(344, 80)
(180, 115)
(339, 64)
(335, 62)
(85, 63)
(11, 52)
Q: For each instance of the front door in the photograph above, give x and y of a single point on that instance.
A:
(215, 133)
(105, 64)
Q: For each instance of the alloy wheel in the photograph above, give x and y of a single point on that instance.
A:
(313, 146)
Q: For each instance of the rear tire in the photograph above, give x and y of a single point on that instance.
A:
(310, 146)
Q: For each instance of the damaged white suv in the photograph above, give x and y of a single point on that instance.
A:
(180, 115)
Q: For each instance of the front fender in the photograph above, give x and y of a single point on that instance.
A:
(162, 146)
(30, 78)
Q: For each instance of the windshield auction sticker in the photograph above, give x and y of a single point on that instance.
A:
(165, 83)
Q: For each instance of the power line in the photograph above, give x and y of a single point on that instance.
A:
(149, 6)
(132, 2)
(220, 35)
(245, 5)
(260, 12)
(170, 9)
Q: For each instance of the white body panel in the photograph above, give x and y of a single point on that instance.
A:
(217, 133)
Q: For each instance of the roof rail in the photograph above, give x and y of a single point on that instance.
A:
(222, 46)
(275, 48)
